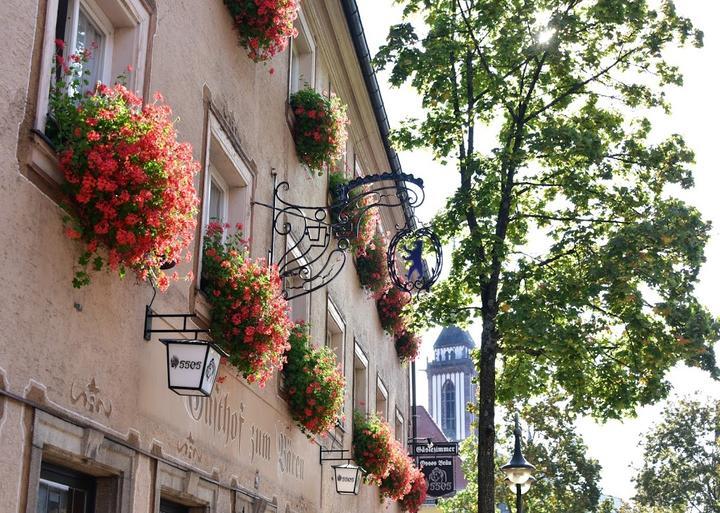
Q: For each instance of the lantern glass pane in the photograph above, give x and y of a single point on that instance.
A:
(186, 363)
(212, 365)
(347, 479)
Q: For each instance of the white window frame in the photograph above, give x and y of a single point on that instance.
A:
(300, 261)
(305, 36)
(360, 355)
(335, 316)
(133, 10)
(216, 133)
(213, 175)
(399, 433)
(382, 391)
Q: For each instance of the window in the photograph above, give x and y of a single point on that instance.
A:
(302, 57)
(228, 181)
(381, 399)
(167, 506)
(360, 385)
(61, 490)
(300, 305)
(116, 32)
(335, 334)
(447, 410)
(399, 427)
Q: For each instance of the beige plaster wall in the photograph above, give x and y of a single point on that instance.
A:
(81, 352)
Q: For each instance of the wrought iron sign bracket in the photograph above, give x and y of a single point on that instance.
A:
(330, 456)
(150, 315)
(311, 261)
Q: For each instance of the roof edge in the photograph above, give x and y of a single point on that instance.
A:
(362, 51)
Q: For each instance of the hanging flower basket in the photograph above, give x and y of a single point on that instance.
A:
(371, 446)
(320, 128)
(397, 483)
(264, 26)
(249, 317)
(128, 181)
(314, 384)
(407, 346)
(372, 267)
(390, 307)
(415, 498)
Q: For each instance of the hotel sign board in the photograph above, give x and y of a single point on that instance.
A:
(440, 474)
(437, 449)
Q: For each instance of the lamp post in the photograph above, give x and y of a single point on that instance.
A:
(518, 470)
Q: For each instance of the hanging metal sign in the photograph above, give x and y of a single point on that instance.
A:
(437, 449)
(440, 475)
(311, 260)
(414, 259)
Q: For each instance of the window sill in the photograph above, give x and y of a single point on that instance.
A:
(201, 308)
(43, 164)
(290, 118)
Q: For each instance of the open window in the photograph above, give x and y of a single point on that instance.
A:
(116, 33)
(302, 57)
(360, 380)
(399, 427)
(300, 305)
(381, 399)
(228, 182)
(335, 333)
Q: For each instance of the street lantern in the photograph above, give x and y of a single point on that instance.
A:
(347, 479)
(192, 366)
(518, 470)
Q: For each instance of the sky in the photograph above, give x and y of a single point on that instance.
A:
(695, 110)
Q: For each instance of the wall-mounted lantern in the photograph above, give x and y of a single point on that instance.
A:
(192, 366)
(347, 476)
(347, 479)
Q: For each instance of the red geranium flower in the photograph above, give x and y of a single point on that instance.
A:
(128, 181)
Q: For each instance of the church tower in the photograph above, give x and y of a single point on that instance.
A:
(450, 385)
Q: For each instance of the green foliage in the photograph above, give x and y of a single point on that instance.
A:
(569, 244)
(681, 464)
(567, 479)
(320, 130)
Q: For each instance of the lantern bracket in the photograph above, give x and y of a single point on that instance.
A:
(150, 315)
(331, 452)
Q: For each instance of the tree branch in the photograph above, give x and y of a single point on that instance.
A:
(576, 219)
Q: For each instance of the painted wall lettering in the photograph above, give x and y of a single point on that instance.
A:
(290, 462)
(260, 443)
(217, 414)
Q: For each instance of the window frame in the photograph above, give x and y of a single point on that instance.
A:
(305, 36)
(447, 414)
(213, 175)
(217, 133)
(334, 316)
(382, 391)
(50, 473)
(136, 11)
(400, 427)
(359, 355)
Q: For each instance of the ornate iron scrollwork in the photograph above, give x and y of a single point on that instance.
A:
(310, 260)
(420, 275)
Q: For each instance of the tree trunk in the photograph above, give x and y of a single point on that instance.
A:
(486, 417)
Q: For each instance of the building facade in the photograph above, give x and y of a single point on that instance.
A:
(450, 385)
(87, 422)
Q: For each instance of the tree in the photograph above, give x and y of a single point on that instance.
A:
(681, 462)
(570, 248)
(567, 479)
